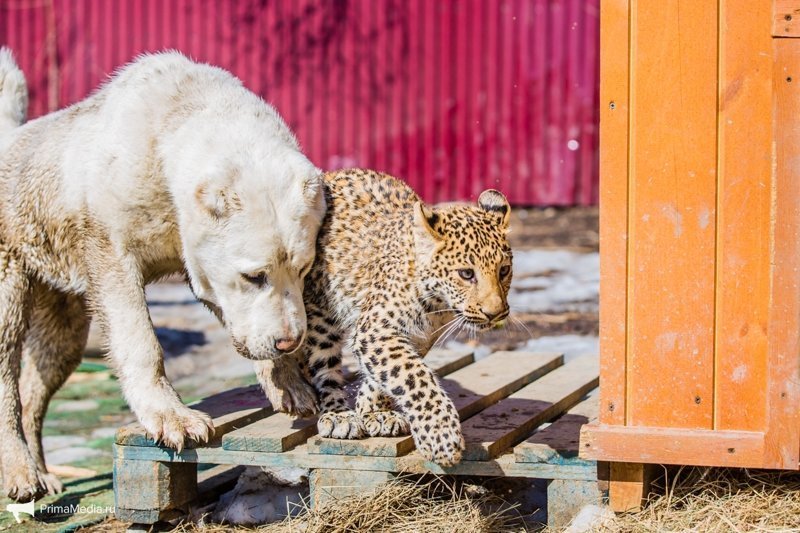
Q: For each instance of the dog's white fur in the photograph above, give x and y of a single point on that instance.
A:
(171, 166)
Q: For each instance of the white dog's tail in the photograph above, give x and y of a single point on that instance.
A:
(13, 92)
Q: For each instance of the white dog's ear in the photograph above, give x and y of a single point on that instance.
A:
(494, 202)
(312, 188)
(217, 202)
(427, 239)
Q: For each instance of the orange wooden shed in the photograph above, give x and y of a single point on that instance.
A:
(700, 235)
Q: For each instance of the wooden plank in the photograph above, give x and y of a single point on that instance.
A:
(149, 491)
(237, 408)
(700, 447)
(628, 486)
(326, 485)
(672, 204)
(276, 433)
(229, 410)
(510, 420)
(785, 17)
(743, 215)
(412, 463)
(445, 362)
(614, 111)
(472, 389)
(559, 442)
(783, 392)
(279, 432)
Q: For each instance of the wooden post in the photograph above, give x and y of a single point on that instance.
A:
(146, 492)
(327, 484)
(628, 485)
(565, 497)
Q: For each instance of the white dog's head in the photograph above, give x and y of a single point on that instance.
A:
(249, 237)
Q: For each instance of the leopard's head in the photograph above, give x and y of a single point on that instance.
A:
(465, 258)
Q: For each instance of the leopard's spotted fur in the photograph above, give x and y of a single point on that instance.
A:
(389, 275)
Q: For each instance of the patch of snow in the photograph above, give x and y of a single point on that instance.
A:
(71, 454)
(570, 345)
(555, 281)
(74, 406)
(56, 442)
(591, 518)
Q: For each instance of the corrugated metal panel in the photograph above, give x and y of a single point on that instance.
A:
(454, 96)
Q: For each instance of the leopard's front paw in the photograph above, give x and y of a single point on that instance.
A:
(438, 438)
(385, 424)
(341, 425)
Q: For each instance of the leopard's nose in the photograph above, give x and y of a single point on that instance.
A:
(493, 315)
(287, 345)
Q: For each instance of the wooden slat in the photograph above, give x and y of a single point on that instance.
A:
(559, 442)
(743, 215)
(279, 432)
(276, 433)
(411, 463)
(785, 17)
(701, 447)
(510, 420)
(614, 110)
(229, 410)
(673, 122)
(783, 389)
(237, 408)
(472, 389)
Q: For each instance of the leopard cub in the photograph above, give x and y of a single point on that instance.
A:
(391, 275)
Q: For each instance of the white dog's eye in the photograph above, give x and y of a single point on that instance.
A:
(259, 279)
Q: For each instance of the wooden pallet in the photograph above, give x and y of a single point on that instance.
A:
(506, 401)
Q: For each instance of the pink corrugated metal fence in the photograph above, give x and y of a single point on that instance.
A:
(454, 96)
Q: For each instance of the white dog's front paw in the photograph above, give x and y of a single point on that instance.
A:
(171, 427)
(343, 425)
(385, 423)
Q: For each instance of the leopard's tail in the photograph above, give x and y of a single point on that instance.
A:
(13, 93)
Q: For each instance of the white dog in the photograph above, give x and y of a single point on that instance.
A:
(172, 166)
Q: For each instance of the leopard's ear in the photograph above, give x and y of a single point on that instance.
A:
(426, 237)
(494, 202)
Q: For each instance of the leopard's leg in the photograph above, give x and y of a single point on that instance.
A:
(323, 349)
(376, 410)
(389, 356)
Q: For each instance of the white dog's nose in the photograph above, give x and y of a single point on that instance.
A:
(287, 345)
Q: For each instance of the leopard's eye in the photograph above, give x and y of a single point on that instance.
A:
(466, 273)
(258, 279)
(505, 270)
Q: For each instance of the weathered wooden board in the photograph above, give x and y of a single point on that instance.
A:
(229, 410)
(505, 465)
(237, 408)
(472, 389)
(559, 442)
(785, 17)
(279, 432)
(509, 421)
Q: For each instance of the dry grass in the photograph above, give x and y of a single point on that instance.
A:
(406, 506)
(719, 500)
(402, 506)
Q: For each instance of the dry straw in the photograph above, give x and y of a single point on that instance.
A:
(718, 500)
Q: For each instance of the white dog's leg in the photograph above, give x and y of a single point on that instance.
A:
(56, 337)
(120, 307)
(286, 386)
(21, 478)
